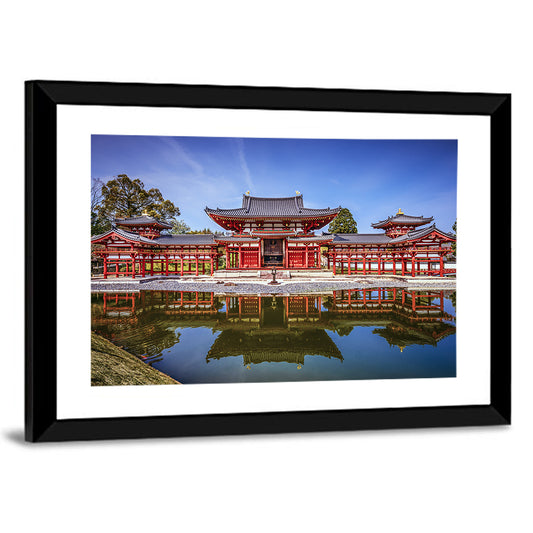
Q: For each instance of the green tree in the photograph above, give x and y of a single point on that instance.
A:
(124, 197)
(98, 223)
(343, 223)
(199, 231)
(179, 226)
(454, 244)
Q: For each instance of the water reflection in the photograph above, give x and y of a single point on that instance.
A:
(201, 337)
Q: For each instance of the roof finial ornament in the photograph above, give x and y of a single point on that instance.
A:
(297, 193)
(145, 213)
(400, 212)
(247, 193)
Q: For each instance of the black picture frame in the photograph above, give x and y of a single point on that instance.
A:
(42, 99)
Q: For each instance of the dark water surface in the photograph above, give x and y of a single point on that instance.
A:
(358, 334)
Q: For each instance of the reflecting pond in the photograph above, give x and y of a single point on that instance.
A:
(202, 337)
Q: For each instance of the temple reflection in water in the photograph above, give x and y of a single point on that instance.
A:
(275, 329)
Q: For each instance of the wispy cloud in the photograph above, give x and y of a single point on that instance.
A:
(180, 155)
(244, 165)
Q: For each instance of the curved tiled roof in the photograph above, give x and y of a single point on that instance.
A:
(420, 233)
(361, 238)
(311, 238)
(237, 239)
(141, 220)
(402, 219)
(124, 234)
(184, 239)
(254, 206)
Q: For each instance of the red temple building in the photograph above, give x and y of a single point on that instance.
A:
(274, 232)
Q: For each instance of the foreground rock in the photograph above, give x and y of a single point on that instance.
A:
(111, 365)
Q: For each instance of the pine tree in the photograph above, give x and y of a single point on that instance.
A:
(124, 197)
(454, 244)
(343, 223)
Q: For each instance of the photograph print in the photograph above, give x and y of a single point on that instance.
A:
(230, 260)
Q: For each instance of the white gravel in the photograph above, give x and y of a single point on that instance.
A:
(252, 286)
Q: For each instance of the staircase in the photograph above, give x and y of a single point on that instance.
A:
(314, 274)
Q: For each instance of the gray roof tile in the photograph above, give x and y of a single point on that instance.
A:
(184, 239)
(143, 219)
(125, 234)
(420, 233)
(361, 238)
(253, 206)
(401, 218)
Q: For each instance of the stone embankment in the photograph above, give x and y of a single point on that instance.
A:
(262, 286)
(111, 365)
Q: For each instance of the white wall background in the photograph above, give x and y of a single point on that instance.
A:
(425, 480)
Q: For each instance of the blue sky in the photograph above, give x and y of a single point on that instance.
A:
(372, 178)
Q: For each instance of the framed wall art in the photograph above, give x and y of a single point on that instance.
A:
(215, 260)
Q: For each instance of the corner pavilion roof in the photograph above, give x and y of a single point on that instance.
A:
(401, 219)
(382, 238)
(420, 233)
(141, 220)
(192, 239)
(124, 234)
(254, 207)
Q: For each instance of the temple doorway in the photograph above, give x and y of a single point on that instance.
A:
(273, 252)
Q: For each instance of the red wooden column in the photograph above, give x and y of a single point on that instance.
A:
(181, 264)
(133, 266)
(349, 264)
(211, 259)
(306, 256)
(166, 266)
(105, 267)
(334, 263)
(403, 265)
(240, 257)
(196, 257)
(364, 264)
(152, 265)
(441, 264)
(379, 263)
(413, 266)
